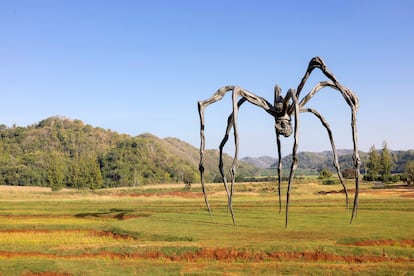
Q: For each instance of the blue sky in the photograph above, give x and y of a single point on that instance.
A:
(141, 66)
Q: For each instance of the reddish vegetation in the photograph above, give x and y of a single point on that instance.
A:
(398, 190)
(219, 254)
(403, 243)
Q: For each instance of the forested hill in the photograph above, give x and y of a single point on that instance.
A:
(60, 152)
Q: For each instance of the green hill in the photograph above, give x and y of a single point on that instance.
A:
(60, 152)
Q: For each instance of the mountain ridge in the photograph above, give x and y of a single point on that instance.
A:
(317, 161)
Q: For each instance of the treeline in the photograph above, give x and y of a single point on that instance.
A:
(318, 161)
(384, 165)
(376, 165)
(60, 152)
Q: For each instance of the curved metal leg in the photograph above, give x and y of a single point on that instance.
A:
(279, 170)
(357, 163)
(202, 149)
(201, 106)
(230, 124)
(335, 155)
(294, 151)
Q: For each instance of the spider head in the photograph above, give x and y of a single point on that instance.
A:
(283, 125)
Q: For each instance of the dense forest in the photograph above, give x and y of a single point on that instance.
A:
(60, 152)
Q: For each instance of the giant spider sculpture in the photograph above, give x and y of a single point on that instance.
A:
(282, 110)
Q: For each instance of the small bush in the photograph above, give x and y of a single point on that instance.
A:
(395, 178)
(328, 182)
(325, 173)
(348, 173)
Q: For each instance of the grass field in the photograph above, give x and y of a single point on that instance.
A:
(166, 230)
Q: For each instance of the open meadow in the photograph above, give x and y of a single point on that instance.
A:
(166, 230)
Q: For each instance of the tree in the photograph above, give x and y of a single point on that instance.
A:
(94, 172)
(348, 173)
(324, 174)
(85, 172)
(373, 164)
(55, 171)
(386, 163)
(409, 170)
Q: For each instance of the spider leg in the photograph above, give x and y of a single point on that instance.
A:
(279, 170)
(201, 107)
(353, 102)
(317, 62)
(253, 99)
(236, 151)
(294, 151)
(357, 163)
(232, 122)
(277, 91)
(335, 155)
(221, 165)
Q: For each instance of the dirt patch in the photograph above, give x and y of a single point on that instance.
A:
(397, 190)
(403, 243)
(110, 234)
(111, 215)
(183, 194)
(7, 188)
(42, 231)
(46, 273)
(224, 254)
(331, 192)
(219, 254)
(45, 216)
(102, 233)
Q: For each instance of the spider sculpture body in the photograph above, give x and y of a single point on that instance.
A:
(283, 109)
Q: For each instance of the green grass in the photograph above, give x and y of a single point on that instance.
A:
(151, 231)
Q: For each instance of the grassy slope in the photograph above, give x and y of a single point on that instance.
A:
(166, 230)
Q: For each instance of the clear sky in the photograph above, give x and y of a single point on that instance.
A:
(141, 66)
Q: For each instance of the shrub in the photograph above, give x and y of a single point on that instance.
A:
(325, 173)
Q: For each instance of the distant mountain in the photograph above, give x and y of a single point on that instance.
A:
(262, 162)
(317, 161)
